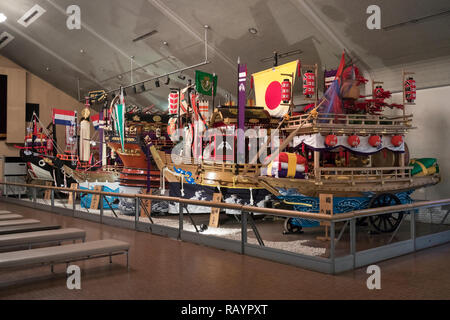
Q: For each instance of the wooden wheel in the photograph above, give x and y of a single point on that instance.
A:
(385, 222)
(289, 227)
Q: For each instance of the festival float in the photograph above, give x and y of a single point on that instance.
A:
(342, 144)
(128, 134)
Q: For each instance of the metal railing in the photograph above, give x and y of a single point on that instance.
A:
(332, 264)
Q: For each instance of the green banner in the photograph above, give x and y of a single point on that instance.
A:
(120, 123)
(204, 83)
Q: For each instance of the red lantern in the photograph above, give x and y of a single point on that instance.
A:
(353, 141)
(309, 83)
(49, 145)
(173, 102)
(378, 92)
(286, 91)
(172, 128)
(375, 141)
(410, 90)
(331, 140)
(397, 141)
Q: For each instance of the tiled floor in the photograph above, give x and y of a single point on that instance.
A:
(162, 268)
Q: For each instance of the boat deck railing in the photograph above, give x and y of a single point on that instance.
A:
(350, 123)
(356, 175)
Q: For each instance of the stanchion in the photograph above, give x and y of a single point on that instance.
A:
(243, 231)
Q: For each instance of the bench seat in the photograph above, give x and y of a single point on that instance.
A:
(28, 228)
(5, 212)
(18, 222)
(63, 254)
(49, 236)
(4, 217)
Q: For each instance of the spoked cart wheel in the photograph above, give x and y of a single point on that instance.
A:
(385, 222)
(291, 227)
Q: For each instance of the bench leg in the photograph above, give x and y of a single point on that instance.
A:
(52, 269)
(110, 259)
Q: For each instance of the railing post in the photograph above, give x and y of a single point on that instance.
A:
(243, 230)
(101, 208)
(34, 194)
(73, 202)
(332, 244)
(52, 192)
(413, 227)
(353, 240)
(137, 212)
(180, 222)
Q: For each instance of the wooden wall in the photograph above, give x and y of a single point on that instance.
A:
(23, 88)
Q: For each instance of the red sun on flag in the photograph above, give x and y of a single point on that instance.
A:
(273, 95)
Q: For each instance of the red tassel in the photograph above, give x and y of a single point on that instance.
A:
(303, 148)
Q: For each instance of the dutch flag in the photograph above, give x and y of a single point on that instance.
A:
(63, 117)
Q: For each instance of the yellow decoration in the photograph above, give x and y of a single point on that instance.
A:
(292, 165)
(272, 78)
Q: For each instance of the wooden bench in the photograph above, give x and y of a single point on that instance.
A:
(39, 237)
(4, 217)
(28, 228)
(18, 222)
(4, 212)
(64, 254)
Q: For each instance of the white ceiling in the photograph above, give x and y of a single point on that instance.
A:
(320, 28)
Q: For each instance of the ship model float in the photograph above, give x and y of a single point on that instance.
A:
(275, 155)
(264, 152)
(76, 163)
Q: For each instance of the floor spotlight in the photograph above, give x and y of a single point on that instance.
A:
(157, 83)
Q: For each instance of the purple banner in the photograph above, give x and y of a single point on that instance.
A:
(242, 100)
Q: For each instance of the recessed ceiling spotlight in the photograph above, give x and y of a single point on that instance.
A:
(82, 51)
(31, 15)
(165, 43)
(2, 17)
(119, 77)
(253, 30)
(47, 68)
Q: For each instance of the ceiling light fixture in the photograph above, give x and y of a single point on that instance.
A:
(134, 90)
(148, 34)
(253, 30)
(167, 81)
(5, 38)
(143, 87)
(2, 17)
(31, 15)
(157, 83)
